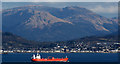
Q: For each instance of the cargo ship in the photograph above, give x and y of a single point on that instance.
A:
(38, 58)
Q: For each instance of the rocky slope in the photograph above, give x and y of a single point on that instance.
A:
(42, 23)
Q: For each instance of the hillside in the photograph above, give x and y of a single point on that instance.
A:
(11, 41)
(41, 23)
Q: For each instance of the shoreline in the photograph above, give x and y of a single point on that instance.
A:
(44, 52)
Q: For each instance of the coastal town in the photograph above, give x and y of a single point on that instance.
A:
(76, 48)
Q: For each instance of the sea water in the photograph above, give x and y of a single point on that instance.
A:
(73, 57)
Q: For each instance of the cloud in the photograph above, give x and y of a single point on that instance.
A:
(103, 9)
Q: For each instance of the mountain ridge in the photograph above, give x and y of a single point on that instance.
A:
(43, 23)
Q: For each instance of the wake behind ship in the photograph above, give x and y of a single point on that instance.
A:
(38, 58)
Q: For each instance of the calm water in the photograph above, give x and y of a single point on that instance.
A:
(73, 57)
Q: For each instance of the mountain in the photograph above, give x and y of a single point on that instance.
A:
(12, 41)
(42, 23)
(115, 19)
(111, 38)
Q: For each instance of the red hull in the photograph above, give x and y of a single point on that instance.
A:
(51, 60)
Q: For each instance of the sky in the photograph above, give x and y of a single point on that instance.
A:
(60, 0)
(107, 9)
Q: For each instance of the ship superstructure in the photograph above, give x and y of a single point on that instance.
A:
(38, 58)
